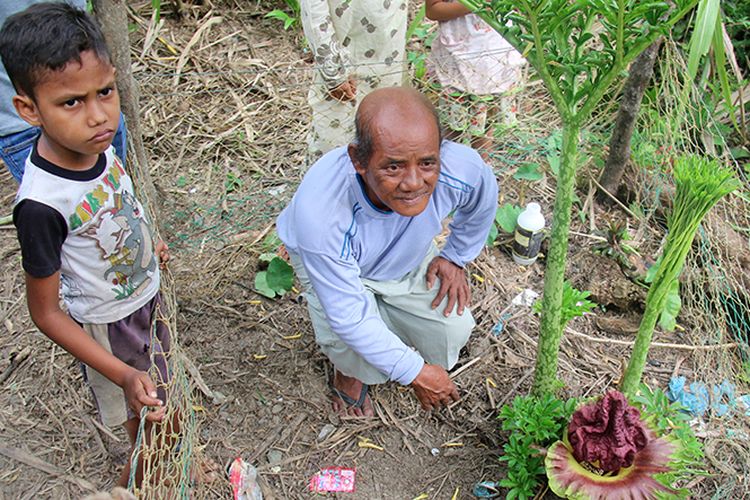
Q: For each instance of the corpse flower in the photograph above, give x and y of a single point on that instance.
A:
(608, 453)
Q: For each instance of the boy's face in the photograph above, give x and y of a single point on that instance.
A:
(78, 109)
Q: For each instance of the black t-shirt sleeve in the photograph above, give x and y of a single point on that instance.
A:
(41, 232)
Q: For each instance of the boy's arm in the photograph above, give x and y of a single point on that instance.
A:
(440, 10)
(42, 297)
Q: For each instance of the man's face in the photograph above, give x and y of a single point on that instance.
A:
(78, 109)
(405, 164)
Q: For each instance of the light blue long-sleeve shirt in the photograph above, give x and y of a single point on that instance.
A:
(341, 237)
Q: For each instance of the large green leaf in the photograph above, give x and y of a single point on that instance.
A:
(528, 172)
(492, 236)
(279, 276)
(700, 41)
(506, 217)
(261, 285)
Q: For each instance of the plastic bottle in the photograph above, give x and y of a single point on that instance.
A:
(529, 235)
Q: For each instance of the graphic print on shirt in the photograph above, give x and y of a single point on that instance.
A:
(115, 220)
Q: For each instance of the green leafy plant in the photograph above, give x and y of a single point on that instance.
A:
(575, 303)
(578, 50)
(700, 184)
(232, 182)
(285, 17)
(506, 217)
(615, 247)
(671, 420)
(533, 424)
(277, 279)
(418, 30)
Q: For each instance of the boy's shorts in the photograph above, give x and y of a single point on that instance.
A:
(130, 340)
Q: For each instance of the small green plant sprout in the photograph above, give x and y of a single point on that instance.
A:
(608, 451)
(615, 247)
(289, 20)
(575, 303)
(277, 279)
(700, 184)
(232, 183)
(533, 424)
(506, 218)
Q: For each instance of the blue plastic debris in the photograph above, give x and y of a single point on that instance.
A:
(744, 401)
(500, 326)
(694, 399)
(486, 489)
(697, 399)
(722, 398)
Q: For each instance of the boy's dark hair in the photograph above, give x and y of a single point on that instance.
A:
(46, 37)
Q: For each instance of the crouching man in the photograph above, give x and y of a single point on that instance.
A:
(385, 303)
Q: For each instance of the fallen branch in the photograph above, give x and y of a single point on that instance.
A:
(683, 347)
(37, 463)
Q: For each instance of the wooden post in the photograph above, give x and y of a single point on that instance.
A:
(630, 104)
(113, 18)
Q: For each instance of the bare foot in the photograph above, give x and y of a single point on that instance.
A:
(350, 396)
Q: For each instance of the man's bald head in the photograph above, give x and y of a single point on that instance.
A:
(391, 106)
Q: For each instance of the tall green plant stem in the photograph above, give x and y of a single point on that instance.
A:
(700, 185)
(655, 300)
(545, 376)
(574, 110)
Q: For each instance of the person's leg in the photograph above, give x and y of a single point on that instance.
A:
(352, 371)
(452, 114)
(15, 148)
(131, 427)
(332, 122)
(405, 306)
(481, 137)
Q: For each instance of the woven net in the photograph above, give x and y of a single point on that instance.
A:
(248, 147)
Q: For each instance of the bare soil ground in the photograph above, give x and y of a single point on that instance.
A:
(226, 139)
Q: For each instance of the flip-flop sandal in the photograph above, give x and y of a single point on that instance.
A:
(348, 400)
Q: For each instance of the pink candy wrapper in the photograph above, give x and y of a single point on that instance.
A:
(339, 479)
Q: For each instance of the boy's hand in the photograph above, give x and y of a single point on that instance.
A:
(162, 251)
(139, 392)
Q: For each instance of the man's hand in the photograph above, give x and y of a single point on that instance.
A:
(162, 252)
(434, 388)
(139, 392)
(453, 283)
(346, 92)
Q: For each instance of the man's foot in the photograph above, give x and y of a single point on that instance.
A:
(350, 396)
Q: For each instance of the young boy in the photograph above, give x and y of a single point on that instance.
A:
(79, 223)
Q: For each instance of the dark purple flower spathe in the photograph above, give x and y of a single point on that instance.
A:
(608, 433)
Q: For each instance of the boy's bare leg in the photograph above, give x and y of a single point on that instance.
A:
(131, 426)
(204, 472)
